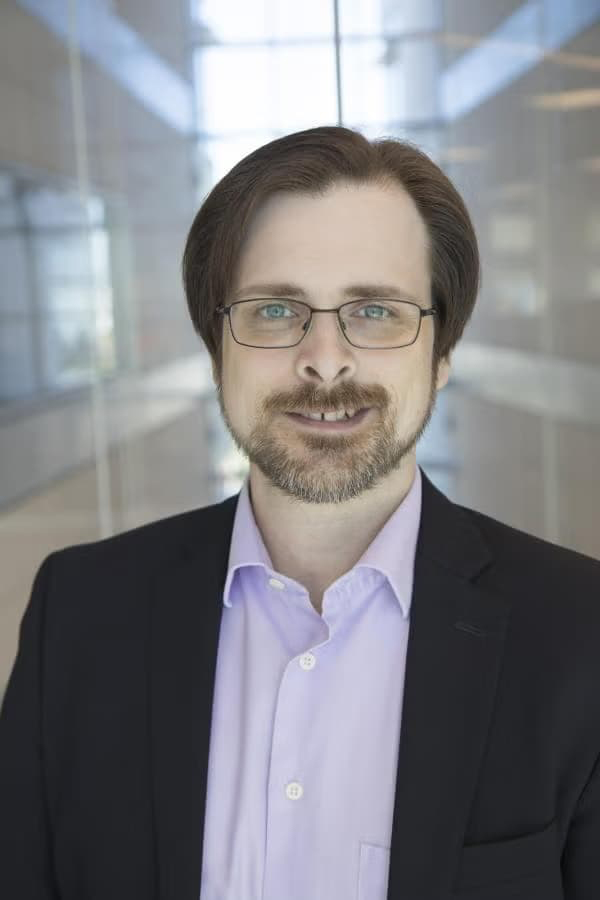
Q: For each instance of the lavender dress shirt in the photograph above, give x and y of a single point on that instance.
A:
(306, 721)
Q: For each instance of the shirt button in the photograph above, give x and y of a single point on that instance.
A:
(307, 661)
(294, 790)
(274, 582)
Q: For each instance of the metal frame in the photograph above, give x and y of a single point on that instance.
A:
(225, 310)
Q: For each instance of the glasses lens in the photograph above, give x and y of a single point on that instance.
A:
(381, 323)
(269, 323)
(367, 323)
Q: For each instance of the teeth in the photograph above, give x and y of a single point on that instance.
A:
(336, 416)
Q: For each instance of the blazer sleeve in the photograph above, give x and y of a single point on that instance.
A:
(581, 856)
(26, 871)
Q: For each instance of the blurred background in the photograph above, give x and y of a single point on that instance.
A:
(118, 116)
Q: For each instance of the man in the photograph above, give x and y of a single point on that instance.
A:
(337, 683)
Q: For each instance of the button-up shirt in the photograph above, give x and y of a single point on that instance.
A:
(306, 719)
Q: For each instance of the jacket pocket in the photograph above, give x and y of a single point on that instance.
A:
(508, 860)
(373, 872)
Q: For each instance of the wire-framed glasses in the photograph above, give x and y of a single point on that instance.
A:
(375, 324)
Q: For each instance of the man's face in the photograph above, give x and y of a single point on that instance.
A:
(354, 234)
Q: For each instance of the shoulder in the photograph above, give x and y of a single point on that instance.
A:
(527, 554)
(106, 586)
(551, 589)
(144, 549)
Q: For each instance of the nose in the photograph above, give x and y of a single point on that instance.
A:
(333, 324)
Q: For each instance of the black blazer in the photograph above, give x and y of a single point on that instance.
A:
(105, 726)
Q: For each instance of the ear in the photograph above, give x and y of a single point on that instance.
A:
(443, 373)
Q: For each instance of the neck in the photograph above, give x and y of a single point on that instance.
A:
(316, 543)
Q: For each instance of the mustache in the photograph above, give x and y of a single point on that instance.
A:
(312, 402)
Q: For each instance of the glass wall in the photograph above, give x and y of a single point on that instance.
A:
(57, 316)
(116, 120)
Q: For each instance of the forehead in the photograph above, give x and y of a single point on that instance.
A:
(365, 228)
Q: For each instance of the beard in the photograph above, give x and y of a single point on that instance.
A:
(329, 467)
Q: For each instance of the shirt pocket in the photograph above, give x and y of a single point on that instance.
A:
(373, 872)
(509, 860)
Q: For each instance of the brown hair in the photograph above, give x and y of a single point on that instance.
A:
(310, 162)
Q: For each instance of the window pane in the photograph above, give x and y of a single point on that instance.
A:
(365, 82)
(259, 88)
(260, 20)
(17, 377)
(14, 284)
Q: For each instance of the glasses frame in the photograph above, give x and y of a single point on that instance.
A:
(226, 310)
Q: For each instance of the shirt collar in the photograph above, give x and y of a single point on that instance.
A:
(391, 552)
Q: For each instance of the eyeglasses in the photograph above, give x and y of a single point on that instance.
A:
(270, 323)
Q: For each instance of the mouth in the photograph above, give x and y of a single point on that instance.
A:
(323, 425)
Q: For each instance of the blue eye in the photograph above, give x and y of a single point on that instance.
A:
(376, 306)
(283, 306)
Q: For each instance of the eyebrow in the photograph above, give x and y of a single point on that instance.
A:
(361, 291)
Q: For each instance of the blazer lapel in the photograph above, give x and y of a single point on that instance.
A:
(455, 648)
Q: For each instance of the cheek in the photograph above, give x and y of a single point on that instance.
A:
(247, 382)
(411, 390)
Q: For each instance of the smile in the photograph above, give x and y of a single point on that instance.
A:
(340, 425)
